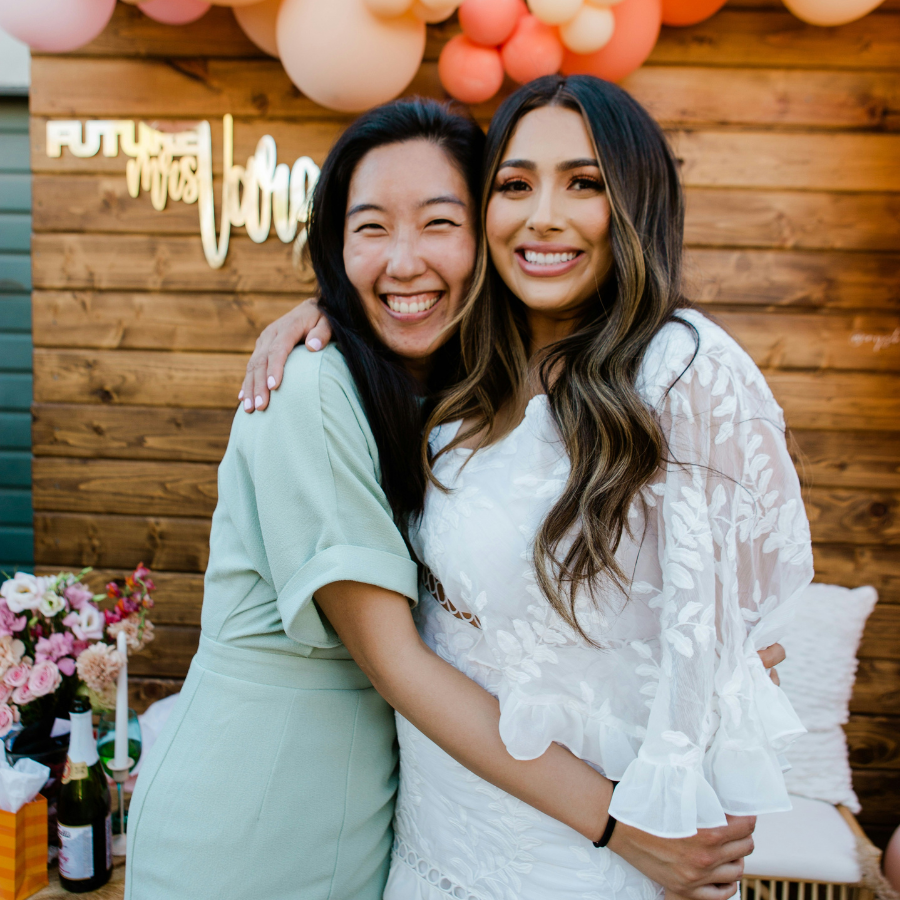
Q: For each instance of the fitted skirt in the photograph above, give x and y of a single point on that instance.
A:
(274, 778)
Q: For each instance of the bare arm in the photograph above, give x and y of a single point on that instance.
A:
(266, 366)
(463, 719)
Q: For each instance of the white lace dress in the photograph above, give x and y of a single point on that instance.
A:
(676, 706)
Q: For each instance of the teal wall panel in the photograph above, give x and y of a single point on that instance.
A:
(16, 528)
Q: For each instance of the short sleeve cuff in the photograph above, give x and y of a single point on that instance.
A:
(379, 568)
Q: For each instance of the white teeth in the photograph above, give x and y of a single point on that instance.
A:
(411, 306)
(548, 259)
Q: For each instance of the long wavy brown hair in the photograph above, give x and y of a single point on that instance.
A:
(613, 439)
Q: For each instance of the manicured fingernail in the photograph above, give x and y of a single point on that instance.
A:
(270, 381)
(248, 405)
(258, 401)
(241, 394)
(314, 344)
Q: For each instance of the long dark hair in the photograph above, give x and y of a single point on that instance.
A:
(391, 397)
(613, 440)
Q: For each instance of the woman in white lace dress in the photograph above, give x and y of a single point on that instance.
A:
(615, 526)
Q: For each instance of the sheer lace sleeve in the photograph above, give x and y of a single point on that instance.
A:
(733, 549)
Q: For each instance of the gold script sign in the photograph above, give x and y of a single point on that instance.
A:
(178, 166)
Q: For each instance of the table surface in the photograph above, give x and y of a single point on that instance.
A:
(113, 890)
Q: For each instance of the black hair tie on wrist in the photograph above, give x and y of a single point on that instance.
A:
(610, 828)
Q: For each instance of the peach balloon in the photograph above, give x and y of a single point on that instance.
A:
(601, 4)
(831, 12)
(637, 28)
(490, 22)
(533, 50)
(432, 15)
(258, 23)
(174, 12)
(470, 72)
(234, 2)
(688, 12)
(343, 56)
(555, 12)
(55, 26)
(590, 30)
(389, 8)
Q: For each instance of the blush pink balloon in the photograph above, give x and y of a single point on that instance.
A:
(55, 26)
(343, 56)
(258, 22)
(174, 12)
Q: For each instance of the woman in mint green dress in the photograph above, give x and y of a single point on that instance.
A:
(275, 776)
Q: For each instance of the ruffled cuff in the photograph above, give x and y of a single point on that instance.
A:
(668, 800)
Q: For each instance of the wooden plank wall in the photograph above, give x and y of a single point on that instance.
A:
(789, 137)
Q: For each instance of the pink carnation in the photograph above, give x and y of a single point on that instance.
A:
(44, 678)
(17, 675)
(7, 719)
(77, 595)
(56, 646)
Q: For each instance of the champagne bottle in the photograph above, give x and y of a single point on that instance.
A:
(85, 821)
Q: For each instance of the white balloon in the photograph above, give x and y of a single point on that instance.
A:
(389, 8)
(555, 12)
(590, 30)
(432, 15)
(831, 12)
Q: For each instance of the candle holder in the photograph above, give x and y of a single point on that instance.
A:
(120, 770)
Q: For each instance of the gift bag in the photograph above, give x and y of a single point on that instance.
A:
(23, 850)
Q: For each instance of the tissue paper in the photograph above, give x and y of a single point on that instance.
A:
(20, 783)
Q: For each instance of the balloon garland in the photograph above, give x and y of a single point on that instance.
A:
(350, 55)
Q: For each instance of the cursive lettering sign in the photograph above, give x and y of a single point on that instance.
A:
(178, 166)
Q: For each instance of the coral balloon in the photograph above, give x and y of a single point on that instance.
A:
(432, 15)
(174, 12)
(590, 30)
(55, 26)
(555, 12)
(637, 28)
(490, 22)
(258, 23)
(831, 12)
(343, 56)
(389, 8)
(533, 50)
(470, 72)
(689, 12)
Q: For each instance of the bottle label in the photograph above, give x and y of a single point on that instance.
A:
(76, 851)
(74, 771)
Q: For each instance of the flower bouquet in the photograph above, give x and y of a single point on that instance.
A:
(52, 647)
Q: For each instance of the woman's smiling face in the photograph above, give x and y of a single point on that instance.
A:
(409, 245)
(547, 221)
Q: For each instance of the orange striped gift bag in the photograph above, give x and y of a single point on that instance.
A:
(23, 850)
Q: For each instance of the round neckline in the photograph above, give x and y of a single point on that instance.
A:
(470, 450)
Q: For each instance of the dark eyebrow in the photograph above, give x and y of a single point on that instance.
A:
(446, 198)
(364, 207)
(577, 164)
(517, 164)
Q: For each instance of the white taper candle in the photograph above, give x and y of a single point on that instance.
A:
(121, 758)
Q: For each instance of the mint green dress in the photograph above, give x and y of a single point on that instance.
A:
(275, 776)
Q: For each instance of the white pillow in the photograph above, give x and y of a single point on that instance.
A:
(818, 674)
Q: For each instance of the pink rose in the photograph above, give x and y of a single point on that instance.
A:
(5, 693)
(44, 678)
(66, 665)
(78, 595)
(7, 719)
(17, 675)
(21, 695)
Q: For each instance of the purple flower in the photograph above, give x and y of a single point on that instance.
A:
(10, 623)
(66, 665)
(77, 595)
(55, 647)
